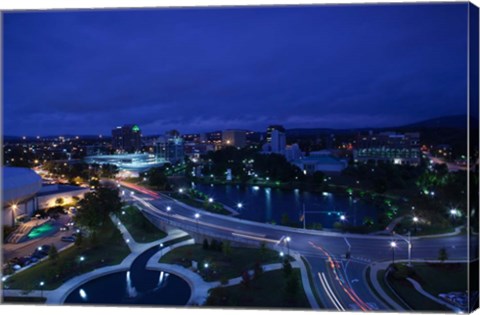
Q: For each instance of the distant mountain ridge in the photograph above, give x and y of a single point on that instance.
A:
(453, 121)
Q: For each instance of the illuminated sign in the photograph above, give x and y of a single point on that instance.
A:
(135, 128)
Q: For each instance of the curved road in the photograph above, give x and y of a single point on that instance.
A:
(340, 282)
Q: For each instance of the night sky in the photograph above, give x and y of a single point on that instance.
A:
(85, 72)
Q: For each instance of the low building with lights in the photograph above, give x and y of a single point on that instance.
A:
(23, 194)
(130, 165)
(388, 147)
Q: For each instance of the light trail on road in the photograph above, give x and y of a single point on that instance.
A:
(337, 271)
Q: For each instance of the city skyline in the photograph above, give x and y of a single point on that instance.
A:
(305, 67)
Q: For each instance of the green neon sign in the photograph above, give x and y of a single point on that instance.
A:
(135, 128)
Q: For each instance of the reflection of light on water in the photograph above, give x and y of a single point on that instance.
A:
(83, 294)
(131, 291)
(162, 279)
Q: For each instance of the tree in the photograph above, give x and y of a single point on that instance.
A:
(53, 253)
(96, 207)
(246, 279)
(205, 244)
(79, 240)
(287, 267)
(285, 220)
(226, 248)
(257, 270)
(442, 254)
(263, 250)
(157, 178)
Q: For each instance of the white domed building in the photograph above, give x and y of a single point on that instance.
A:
(19, 188)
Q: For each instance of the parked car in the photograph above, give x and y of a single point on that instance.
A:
(69, 239)
(64, 228)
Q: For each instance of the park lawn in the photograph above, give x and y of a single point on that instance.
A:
(23, 300)
(415, 299)
(141, 229)
(268, 291)
(109, 249)
(220, 266)
(442, 278)
(434, 278)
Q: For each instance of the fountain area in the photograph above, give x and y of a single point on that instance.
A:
(137, 286)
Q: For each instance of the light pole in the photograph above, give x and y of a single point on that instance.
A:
(409, 244)
(415, 222)
(41, 288)
(393, 244)
(287, 240)
(197, 216)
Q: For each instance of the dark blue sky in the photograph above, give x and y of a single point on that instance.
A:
(85, 72)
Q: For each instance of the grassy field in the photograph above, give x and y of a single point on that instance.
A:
(142, 230)
(23, 300)
(268, 291)
(442, 278)
(221, 266)
(108, 249)
(435, 279)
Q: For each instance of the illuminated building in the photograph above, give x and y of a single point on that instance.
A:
(127, 138)
(388, 147)
(233, 137)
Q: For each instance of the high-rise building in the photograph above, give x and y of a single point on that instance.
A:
(271, 128)
(278, 142)
(127, 138)
(236, 138)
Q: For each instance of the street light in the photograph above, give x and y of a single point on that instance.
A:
(343, 218)
(180, 190)
(288, 239)
(281, 254)
(393, 245)
(82, 258)
(210, 200)
(169, 208)
(239, 205)
(41, 288)
(197, 216)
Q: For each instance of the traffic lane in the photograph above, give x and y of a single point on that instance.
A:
(421, 249)
(378, 249)
(356, 273)
(318, 266)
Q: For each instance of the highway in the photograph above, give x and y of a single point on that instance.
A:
(340, 282)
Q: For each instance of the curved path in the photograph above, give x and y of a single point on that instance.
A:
(340, 282)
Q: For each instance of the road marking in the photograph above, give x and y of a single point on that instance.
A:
(329, 292)
(254, 237)
(354, 280)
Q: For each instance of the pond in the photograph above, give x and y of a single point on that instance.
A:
(136, 286)
(264, 204)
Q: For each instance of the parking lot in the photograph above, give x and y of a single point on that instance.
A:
(26, 249)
